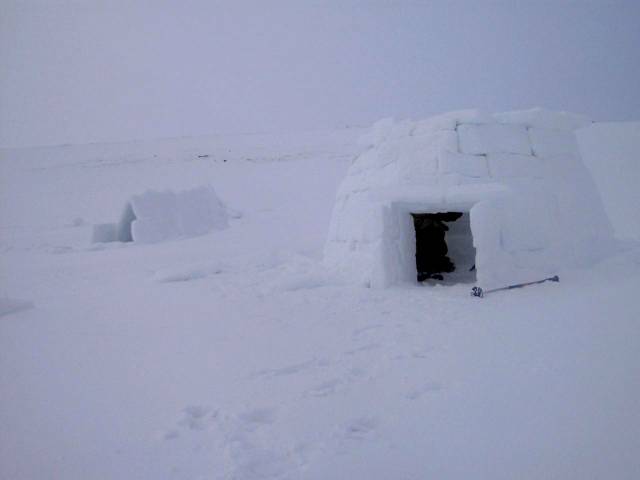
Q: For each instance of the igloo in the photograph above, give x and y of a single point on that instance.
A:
(525, 205)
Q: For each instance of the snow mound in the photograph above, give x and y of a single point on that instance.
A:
(533, 206)
(154, 217)
(12, 305)
(611, 151)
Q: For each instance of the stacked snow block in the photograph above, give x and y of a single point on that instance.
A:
(154, 217)
(533, 205)
(502, 150)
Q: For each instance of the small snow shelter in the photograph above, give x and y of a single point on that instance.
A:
(509, 189)
(155, 216)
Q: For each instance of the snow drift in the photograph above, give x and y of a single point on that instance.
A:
(159, 216)
(533, 207)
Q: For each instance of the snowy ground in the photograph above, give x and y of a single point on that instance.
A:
(235, 356)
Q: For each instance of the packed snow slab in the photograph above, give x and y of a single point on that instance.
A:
(532, 205)
(611, 152)
(159, 216)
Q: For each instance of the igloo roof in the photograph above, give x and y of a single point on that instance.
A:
(467, 147)
(533, 204)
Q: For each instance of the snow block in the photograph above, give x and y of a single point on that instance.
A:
(549, 143)
(493, 138)
(154, 217)
(468, 165)
(508, 165)
(541, 118)
(168, 215)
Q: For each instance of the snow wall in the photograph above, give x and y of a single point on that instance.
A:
(611, 152)
(159, 216)
(533, 205)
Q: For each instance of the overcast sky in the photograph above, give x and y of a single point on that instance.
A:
(87, 71)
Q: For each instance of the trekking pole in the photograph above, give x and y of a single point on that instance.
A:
(479, 292)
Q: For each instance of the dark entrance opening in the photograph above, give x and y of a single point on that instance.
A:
(444, 247)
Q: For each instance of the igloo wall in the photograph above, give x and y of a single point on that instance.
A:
(533, 206)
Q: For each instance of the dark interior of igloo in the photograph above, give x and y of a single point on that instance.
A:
(444, 247)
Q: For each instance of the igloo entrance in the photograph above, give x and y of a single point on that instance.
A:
(444, 247)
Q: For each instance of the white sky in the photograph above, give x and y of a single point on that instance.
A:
(86, 71)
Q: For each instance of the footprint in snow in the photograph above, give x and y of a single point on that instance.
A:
(423, 353)
(259, 416)
(359, 332)
(333, 385)
(193, 418)
(429, 387)
(198, 417)
(253, 453)
(325, 388)
(247, 460)
(362, 349)
(289, 369)
(360, 428)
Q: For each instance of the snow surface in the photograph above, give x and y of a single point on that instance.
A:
(611, 151)
(534, 208)
(236, 355)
